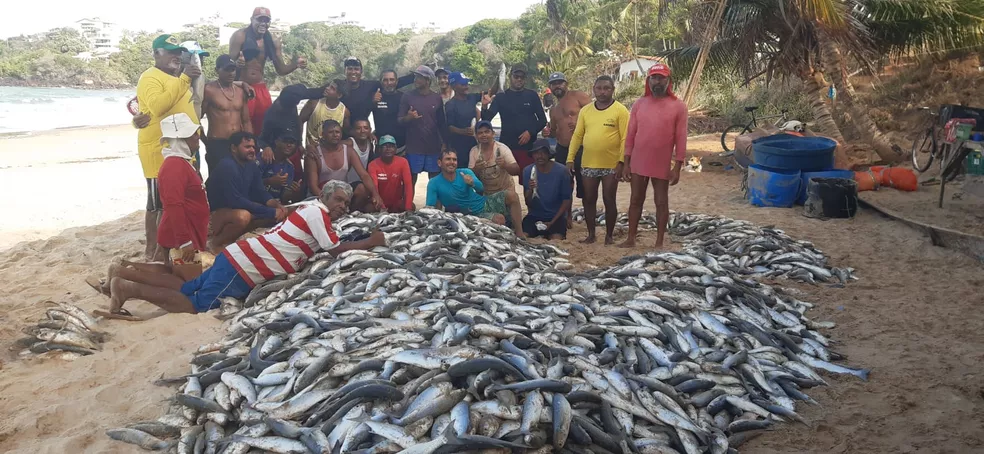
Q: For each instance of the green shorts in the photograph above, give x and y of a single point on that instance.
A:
(494, 204)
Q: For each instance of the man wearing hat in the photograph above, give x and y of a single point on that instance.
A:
(360, 96)
(547, 189)
(391, 175)
(252, 46)
(655, 148)
(563, 119)
(278, 176)
(461, 113)
(161, 94)
(227, 110)
(520, 112)
(184, 223)
(422, 112)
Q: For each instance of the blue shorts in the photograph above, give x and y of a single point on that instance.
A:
(423, 163)
(219, 281)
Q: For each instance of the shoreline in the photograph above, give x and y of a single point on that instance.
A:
(19, 83)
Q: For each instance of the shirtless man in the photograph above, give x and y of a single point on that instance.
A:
(254, 45)
(563, 120)
(226, 108)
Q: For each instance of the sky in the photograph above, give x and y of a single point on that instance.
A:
(133, 15)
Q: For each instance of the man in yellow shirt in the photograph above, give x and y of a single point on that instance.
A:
(160, 94)
(601, 129)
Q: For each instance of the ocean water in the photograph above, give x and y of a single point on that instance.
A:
(25, 109)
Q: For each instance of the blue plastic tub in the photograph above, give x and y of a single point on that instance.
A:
(789, 152)
(772, 187)
(832, 173)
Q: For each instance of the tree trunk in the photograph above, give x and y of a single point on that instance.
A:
(834, 66)
(822, 117)
(705, 51)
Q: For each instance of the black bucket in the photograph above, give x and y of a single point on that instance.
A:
(831, 198)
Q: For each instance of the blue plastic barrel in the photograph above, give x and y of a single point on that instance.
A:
(772, 187)
(784, 151)
(805, 180)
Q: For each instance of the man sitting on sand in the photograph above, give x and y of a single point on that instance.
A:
(250, 262)
(548, 190)
(459, 190)
(278, 176)
(391, 174)
(238, 199)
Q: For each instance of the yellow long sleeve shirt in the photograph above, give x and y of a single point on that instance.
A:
(602, 133)
(160, 95)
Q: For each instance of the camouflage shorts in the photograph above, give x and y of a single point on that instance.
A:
(494, 204)
(591, 172)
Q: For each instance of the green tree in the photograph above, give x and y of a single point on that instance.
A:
(468, 59)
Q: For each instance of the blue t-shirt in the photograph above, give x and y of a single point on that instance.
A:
(273, 169)
(238, 186)
(456, 195)
(460, 114)
(552, 188)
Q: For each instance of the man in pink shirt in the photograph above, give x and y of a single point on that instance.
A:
(657, 137)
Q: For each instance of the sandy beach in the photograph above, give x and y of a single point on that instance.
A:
(914, 317)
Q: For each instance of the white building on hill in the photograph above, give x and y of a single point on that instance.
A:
(104, 37)
(629, 70)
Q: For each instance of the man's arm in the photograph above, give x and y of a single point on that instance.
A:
(236, 46)
(477, 184)
(282, 68)
(623, 130)
(306, 111)
(538, 114)
(432, 199)
(206, 104)
(511, 165)
(157, 97)
(408, 188)
(489, 112)
(566, 188)
(244, 119)
(311, 168)
(576, 138)
(402, 81)
(346, 120)
(630, 133)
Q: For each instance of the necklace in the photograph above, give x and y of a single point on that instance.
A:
(229, 96)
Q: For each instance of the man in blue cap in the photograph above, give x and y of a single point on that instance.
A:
(461, 111)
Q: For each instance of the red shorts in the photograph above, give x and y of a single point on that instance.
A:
(524, 159)
(258, 106)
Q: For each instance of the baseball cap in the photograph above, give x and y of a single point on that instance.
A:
(659, 69)
(261, 11)
(288, 135)
(352, 62)
(177, 126)
(557, 77)
(224, 61)
(386, 139)
(167, 42)
(539, 144)
(519, 67)
(194, 48)
(424, 71)
(442, 70)
(484, 124)
(457, 78)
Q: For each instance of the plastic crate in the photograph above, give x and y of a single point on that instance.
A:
(975, 163)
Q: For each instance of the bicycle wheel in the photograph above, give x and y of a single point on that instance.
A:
(923, 150)
(947, 160)
(731, 134)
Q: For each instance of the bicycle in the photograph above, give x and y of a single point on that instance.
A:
(732, 132)
(930, 145)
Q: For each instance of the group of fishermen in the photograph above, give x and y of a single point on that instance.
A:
(261, 171)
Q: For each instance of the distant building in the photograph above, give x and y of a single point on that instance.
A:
(629, 70)
(103, 37)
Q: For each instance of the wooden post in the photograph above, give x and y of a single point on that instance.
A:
(705, 50)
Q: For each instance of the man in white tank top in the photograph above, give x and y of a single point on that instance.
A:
(360, 140)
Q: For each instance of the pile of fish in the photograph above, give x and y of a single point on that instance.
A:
(742, 247)
(67, 332)
(458, 336)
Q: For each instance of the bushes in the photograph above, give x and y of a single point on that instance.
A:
(723, 96)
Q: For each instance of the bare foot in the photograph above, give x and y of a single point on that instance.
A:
(609, 240)
(589, 240)
(659, 244)
(629, 242)
(520, 234)
(570, 223)
(118, 289)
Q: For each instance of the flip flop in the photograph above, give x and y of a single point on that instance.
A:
(97, 284)
(123, 314)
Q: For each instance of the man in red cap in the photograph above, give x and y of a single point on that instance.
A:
(252, 46)
(656, 139)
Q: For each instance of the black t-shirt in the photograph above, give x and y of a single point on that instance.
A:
(359, 100)
(385, 115)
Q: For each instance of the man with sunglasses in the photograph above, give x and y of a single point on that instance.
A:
(253, 46)
(520, 112)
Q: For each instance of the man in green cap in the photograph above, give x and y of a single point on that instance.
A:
(161, 92)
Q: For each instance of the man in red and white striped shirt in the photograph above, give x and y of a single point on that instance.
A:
(247, 263)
